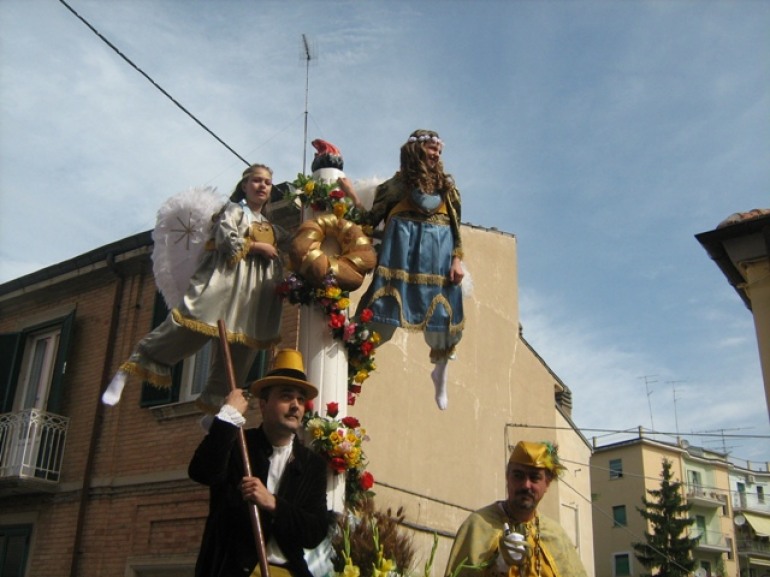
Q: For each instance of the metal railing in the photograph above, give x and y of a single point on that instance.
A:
(32, 444)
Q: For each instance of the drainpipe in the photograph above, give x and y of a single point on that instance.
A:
(98, 415)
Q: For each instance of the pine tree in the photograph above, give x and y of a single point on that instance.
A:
(668, 549)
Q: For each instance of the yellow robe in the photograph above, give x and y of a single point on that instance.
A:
(477, 539)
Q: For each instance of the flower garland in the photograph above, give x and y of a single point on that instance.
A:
(339, 442)
(359, 340)
(322, 197)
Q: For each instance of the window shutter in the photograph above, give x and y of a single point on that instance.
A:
(152, 395)
(60, 365)
(11, 348)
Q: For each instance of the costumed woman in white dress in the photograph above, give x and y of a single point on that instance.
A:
(235, 281)
(416, 284)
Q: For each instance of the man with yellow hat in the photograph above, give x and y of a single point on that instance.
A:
(510, 538)
(288, 485)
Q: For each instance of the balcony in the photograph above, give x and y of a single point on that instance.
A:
(703, 497)
(712, 541)
(31, 450)
(756, 547)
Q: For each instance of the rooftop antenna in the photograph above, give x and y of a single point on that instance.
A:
(308, 56)
(676, 419)
(647, 382)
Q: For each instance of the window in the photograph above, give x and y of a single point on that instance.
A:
(616, 468)
(760, 494)
(189, 376)
(619, 516)
(32, 365)
(696, 481)
(621, 565)
(14, 549)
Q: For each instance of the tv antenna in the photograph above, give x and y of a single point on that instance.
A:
(676, 418)
(647, 383)
(308, 55)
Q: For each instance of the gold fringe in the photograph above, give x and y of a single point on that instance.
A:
(156, 380)
(232, 338)
(413, 278)
(389, 291)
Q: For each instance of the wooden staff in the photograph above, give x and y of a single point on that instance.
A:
(256, 525)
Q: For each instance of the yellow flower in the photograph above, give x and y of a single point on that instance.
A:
(343, 303)
(361, 376)
(335, 438)
(309, 187)
(350, 570)
(375, 338)
(333, 292)
(340, 209)
(386, 566)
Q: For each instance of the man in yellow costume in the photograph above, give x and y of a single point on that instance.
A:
(510, 538)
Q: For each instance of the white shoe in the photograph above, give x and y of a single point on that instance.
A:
(114, 390)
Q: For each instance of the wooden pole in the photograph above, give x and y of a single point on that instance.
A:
(256, 525)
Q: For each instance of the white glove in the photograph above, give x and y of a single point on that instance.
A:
(513, 548)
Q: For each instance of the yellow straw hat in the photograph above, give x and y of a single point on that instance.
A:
(288, 369)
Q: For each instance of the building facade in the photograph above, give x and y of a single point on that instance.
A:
(623, 472)
(91, 490)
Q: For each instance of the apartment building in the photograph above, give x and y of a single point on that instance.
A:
(623, 472)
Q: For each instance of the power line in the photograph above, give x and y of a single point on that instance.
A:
(155, 84)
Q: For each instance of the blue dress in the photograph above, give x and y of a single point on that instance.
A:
(411, 287)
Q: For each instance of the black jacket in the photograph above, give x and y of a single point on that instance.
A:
(299, 521)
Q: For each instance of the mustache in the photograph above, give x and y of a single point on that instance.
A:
(525, 493)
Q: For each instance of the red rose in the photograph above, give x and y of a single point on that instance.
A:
(337, 193)
(366, 481)
(351, 399)
(336, 321)
(332, 409)
(366, 348)
(309, 406)
(351, 422)
(354, 389)
(338, 464)
(366, 315)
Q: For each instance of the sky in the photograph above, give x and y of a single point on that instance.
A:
(603, 135)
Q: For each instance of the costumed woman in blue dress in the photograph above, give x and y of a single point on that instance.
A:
(416, 284)
(234, 281)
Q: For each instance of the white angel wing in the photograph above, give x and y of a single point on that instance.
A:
(182, 227)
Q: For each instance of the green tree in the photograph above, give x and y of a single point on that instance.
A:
(668, 549)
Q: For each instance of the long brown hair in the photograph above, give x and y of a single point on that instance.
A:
(415, 170)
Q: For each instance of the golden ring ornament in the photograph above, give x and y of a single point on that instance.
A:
(309, 258)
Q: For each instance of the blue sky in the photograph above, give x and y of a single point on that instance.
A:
(604, 135)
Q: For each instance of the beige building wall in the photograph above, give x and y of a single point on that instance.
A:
(441, 465)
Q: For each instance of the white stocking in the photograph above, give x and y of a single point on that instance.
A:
(112, 394)
(439, 376)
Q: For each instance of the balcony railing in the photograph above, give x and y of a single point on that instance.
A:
(710, 540)
(708, 497)
(32, 445)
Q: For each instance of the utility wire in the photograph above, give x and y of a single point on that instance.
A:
(155, 84)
